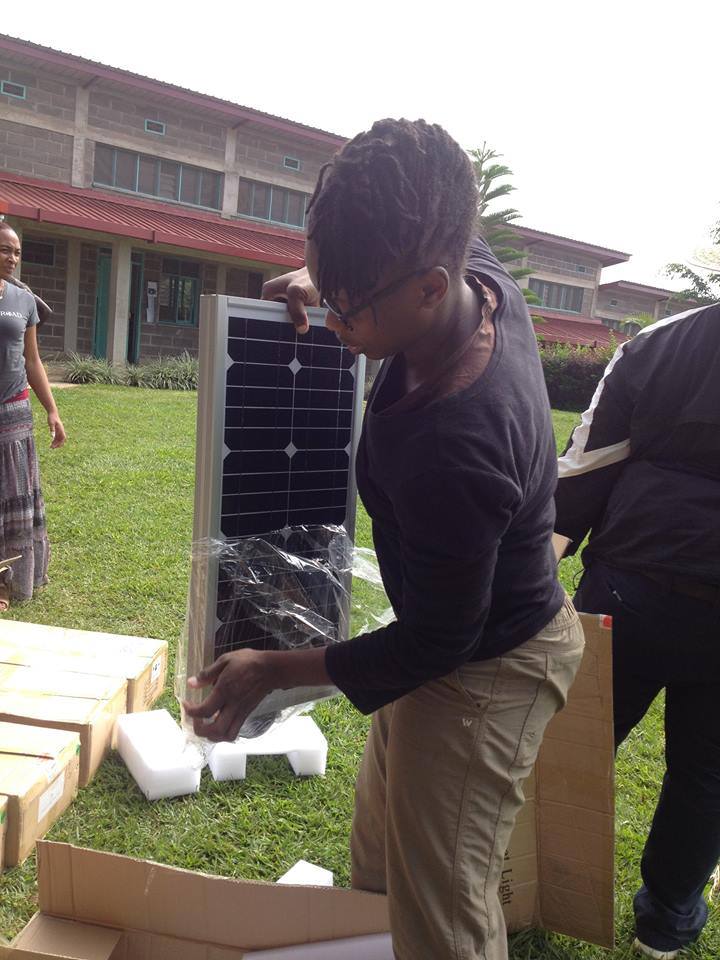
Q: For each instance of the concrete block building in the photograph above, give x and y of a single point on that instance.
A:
(133, 197)
(576, 306)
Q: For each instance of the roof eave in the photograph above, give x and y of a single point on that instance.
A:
(605, 255)
(98, 70)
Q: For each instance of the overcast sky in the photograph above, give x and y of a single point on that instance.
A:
(607, 113)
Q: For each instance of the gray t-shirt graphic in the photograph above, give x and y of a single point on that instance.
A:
(17, 313)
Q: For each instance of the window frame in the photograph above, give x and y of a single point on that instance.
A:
(158, 161)
(13, 83)
(291, 165)
(171, 269)
(155, 133)
(273, 187)
(28, 244)
(565, 288)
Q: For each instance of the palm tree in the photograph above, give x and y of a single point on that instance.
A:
(633, 323)
(494, 225)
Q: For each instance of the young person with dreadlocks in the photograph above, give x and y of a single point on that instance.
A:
(456, 467)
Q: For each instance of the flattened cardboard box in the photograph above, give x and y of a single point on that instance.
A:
(170, 914)
(558, 872)
(140, 660)
(92, 717)
(39, 771)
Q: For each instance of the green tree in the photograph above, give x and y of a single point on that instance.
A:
(633, 323)
(702, 275)
(494, 224)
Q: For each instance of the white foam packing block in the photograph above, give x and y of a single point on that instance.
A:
(299, 738)
(156, 753)
(306, 874)
(376, 946)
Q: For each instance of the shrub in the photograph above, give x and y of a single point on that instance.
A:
(573, 373)
(167, 373)
(80, 369)
(162, 373)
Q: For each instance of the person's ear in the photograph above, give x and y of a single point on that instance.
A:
(434, 285)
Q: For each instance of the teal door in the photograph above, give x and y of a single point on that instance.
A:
(102, 300)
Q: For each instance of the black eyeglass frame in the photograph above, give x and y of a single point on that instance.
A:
(346, 316)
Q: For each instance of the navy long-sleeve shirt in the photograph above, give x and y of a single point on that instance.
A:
(460, 493)
(641, 473)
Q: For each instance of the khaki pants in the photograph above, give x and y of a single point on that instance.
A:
(439, 788)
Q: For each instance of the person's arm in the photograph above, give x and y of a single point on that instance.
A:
(37, 378)
(451, 531)
(241, 679)
(596, 452)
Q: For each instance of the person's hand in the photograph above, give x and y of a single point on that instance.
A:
(297, 290)
(57, 431)
(240, 681)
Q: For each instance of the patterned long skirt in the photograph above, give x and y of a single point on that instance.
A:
(22, 509)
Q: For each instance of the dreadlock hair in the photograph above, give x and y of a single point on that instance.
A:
(401, 193)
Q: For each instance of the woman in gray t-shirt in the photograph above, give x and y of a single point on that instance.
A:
(22, 511)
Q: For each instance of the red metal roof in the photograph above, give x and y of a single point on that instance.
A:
(554, 328)
(102, 212)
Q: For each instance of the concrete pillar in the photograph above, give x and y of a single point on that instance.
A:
(82, 99)
(119, 302)
(72, 295)
(222, 279)
(231, 180)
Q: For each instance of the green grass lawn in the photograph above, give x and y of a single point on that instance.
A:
(119, 503)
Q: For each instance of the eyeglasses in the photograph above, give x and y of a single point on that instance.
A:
(345, 316)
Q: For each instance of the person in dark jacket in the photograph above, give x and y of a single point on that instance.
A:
(457, 469)
(641, 474)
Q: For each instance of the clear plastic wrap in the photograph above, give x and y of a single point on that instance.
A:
(288, 590)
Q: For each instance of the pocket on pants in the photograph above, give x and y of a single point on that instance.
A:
(550, 697)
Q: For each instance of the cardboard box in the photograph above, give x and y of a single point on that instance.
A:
(39, 771)
(558, 871)
(48, 937)
(23, 679)
(3, 827)
(164, 913)
(141, 661)
(91, 717)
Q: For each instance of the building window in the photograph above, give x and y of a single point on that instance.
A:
(152, 177)
(265, 201)
(155, 126)
(178, 292)
(11, 89)
(557, 296)
(613, 303)
(292, 163)
(41, 254)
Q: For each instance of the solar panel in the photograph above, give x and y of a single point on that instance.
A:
(279, 417)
